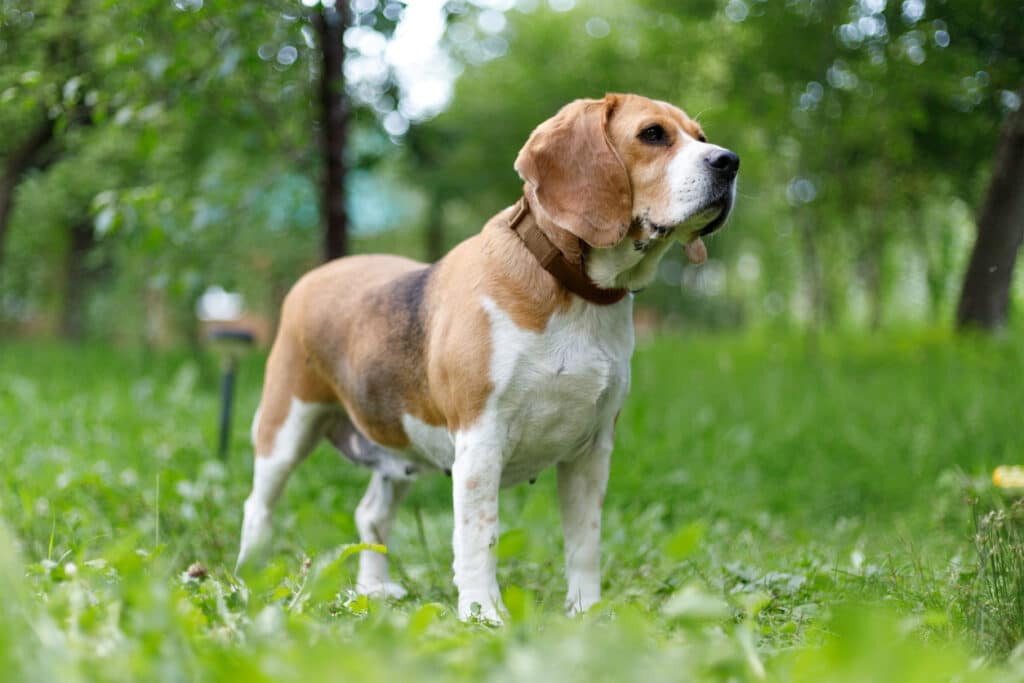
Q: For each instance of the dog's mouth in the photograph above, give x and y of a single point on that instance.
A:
(705, 222)
(708, 219)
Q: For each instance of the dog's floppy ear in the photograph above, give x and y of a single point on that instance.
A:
(576, 176)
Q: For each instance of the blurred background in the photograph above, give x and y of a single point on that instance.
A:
(159, 157)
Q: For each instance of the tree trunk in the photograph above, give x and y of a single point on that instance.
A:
(330, 24)
(985, 297)
(22, 159)
(76, 277)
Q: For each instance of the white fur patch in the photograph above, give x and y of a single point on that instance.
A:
(581, 488)
(555, 398)
(554, 390)
(434, 444)
(296, 436)
(374, 517)
(691, 184)
(625, 266)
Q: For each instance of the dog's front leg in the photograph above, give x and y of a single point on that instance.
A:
(476, 477)
(581, 488)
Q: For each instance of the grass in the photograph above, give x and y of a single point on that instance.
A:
(995, 601)
(779, 509)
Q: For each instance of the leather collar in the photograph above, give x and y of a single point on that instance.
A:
(551, 259)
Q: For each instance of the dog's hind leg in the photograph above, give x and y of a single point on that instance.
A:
(284, 431)
(374, 517)
(392, 477)
(293, 441)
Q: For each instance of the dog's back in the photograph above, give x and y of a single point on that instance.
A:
(329, 350)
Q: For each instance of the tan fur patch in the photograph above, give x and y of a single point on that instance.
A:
(384, 336)
(288, 374)
(647, 164)
(574, 177)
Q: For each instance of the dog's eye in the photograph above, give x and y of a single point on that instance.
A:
(702, 138)
(654, 135)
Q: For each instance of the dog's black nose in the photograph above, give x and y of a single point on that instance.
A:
(724, 161)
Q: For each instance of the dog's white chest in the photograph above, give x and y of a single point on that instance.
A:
(555, 392)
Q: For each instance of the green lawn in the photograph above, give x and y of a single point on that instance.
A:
(779, 507)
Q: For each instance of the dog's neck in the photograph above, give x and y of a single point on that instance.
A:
(572, 249)
(632, 263)
(559, 253)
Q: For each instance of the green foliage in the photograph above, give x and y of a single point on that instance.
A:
(186, 131)
(187, 135)
(752, 531)
(864, 129)
(995, 600)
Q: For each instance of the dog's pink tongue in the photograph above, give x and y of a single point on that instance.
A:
(696, 252)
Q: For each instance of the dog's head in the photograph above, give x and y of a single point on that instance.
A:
(624, 174)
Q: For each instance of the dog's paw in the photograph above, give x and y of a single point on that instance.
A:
(576, 604)
(382, 589)
(485, 609)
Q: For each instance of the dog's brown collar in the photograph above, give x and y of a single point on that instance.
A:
(551, 259)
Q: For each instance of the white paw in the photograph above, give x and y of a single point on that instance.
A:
(382, 589)
(255, 541)
(578, 604)
(485, 608)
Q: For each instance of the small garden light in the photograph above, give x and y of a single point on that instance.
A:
(229, 337)
(229, 344)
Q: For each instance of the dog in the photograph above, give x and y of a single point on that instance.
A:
(509, 355)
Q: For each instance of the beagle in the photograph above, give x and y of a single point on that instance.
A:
(509, 355)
